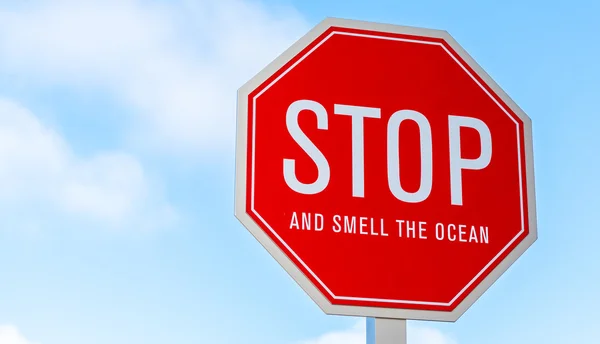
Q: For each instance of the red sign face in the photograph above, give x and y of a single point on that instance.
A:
(387, 170)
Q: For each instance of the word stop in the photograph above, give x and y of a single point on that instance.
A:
(358, 114)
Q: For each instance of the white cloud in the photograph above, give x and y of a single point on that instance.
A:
(354, 335)
(428, 335)
(176, 65)
(417, 334)
(40, 173)
(9, 334)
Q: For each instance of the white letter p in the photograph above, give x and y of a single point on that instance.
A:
(457, 163)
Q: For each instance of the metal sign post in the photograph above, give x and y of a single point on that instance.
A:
(386, 331)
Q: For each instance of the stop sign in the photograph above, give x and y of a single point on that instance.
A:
(385, 171)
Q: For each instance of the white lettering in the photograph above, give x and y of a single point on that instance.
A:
(394, 167)
(483, 233)
(400, 222)
(306, 221)
(294, 221)
(363, 225)
(457, 163)
(393, 156)
(289, 165)
(349, 226)
(410, 229)
(461, 233)
(336, 224)
(473, 235)
(422, 230)
(319, 222)
(448, 232)
(439, 231)
(451, 237)
(383, 233)
(373, 228)
(358, 114)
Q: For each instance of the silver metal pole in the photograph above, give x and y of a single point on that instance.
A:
(386, 331)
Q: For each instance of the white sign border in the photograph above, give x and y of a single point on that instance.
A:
(304, 282)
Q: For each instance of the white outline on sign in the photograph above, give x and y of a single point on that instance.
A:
(286, 262)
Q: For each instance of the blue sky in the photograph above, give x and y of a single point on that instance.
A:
(116, 171)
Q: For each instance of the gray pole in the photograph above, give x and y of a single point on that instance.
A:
(386, 331)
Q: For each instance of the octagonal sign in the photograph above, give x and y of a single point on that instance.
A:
(385, 171)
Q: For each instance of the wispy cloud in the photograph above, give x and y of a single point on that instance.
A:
(419, 334)
(10, 334)
(40, 175)
(175, 65)
(355, 335)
